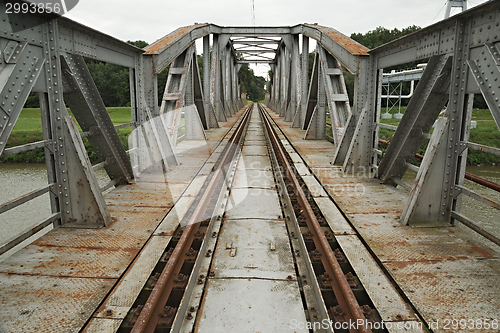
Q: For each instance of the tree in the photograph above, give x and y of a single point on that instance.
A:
(253, 86)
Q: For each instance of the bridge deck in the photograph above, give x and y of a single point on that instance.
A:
(56, 283)
(69, 275)
(443, 270)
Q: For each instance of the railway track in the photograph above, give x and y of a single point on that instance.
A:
(253, 253)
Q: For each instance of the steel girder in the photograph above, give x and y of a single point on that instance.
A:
(298, 119)
(430, 98)
(210, 115)
(82, 96)
(49, 58)
(464, 52)
(312, 96)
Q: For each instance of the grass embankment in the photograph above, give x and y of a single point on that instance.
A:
(28, 129)
(486, 133)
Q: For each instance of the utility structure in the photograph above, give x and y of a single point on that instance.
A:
(49, 59)
(462, 4)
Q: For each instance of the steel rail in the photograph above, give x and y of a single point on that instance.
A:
(343, 292)
(149, 316)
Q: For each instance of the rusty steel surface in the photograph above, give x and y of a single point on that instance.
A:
(56, 283)
(470, 291)
(48, 304)
(349, 44)
(164, 42)
(340, 285)
(433, 263)
(150, 314)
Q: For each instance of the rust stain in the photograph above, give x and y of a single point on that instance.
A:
(349, 44)
(160, 44)
(485, 252)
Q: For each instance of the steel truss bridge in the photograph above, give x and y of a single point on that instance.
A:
(45, 54)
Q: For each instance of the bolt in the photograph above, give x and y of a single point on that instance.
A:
(189, 316)
(191, 309)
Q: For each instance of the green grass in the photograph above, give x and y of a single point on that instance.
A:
(486, 133)
(28, 128)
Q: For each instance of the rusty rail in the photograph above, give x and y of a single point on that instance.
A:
(343, 292)
(151, 312)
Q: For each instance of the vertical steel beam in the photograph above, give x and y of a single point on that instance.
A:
(361, 149)
(458, 111)
(208, 105)
(216, 80)
(316, 129)
(298, 120)
(78, 196)
(424, 107)
(294, 80)
(83, 98)
(312, 95)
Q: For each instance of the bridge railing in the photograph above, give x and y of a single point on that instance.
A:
(32, 195)
(459, 49)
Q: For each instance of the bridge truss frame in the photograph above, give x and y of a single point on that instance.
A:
(43, 53)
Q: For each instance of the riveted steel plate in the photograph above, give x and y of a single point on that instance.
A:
(254, 249)
(255, 142)
(364, 196)
(253, 178)
(69, 261)
(254, 162)
(251, 305)
(451, 290)
(386, 299)
(253, 203)
(48, 304)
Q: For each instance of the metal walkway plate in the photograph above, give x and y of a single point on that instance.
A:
(254, 178)
(251, 305)
(254, 249)
(40, 304)
(253, 204)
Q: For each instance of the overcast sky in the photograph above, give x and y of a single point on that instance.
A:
(150, 20)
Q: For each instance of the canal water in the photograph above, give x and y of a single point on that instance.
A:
(19, 179)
